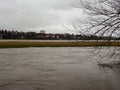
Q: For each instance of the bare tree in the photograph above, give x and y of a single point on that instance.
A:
(104, 17)
(103, 20)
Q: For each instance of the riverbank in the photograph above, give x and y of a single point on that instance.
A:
(21, 44)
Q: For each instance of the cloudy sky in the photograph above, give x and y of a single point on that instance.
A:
(34, 15)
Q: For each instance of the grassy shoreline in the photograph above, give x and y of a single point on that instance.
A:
(56, 44)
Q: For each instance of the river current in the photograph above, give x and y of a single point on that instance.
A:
(70, 68)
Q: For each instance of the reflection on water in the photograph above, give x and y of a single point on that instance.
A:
(54, 69)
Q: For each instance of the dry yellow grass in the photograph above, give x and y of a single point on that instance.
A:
(56, 44)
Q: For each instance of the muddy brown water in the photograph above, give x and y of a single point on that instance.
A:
(54, 69)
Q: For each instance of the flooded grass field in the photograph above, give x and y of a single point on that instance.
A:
(53, 68)
(55, 43)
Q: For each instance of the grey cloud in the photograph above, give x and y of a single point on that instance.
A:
(27, 15)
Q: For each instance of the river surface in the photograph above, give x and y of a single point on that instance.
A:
(54, 69)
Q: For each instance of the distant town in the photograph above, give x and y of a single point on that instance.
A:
(42, 35)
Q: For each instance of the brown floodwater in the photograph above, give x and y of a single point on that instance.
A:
(54, 69)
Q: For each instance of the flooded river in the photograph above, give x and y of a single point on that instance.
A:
(54, 69)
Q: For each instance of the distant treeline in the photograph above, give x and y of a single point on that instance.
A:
(5, 34)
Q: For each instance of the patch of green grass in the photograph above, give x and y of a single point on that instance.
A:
(56, 44)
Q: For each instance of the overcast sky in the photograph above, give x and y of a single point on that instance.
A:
(34, 15)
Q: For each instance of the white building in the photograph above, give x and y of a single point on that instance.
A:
(42, 31)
